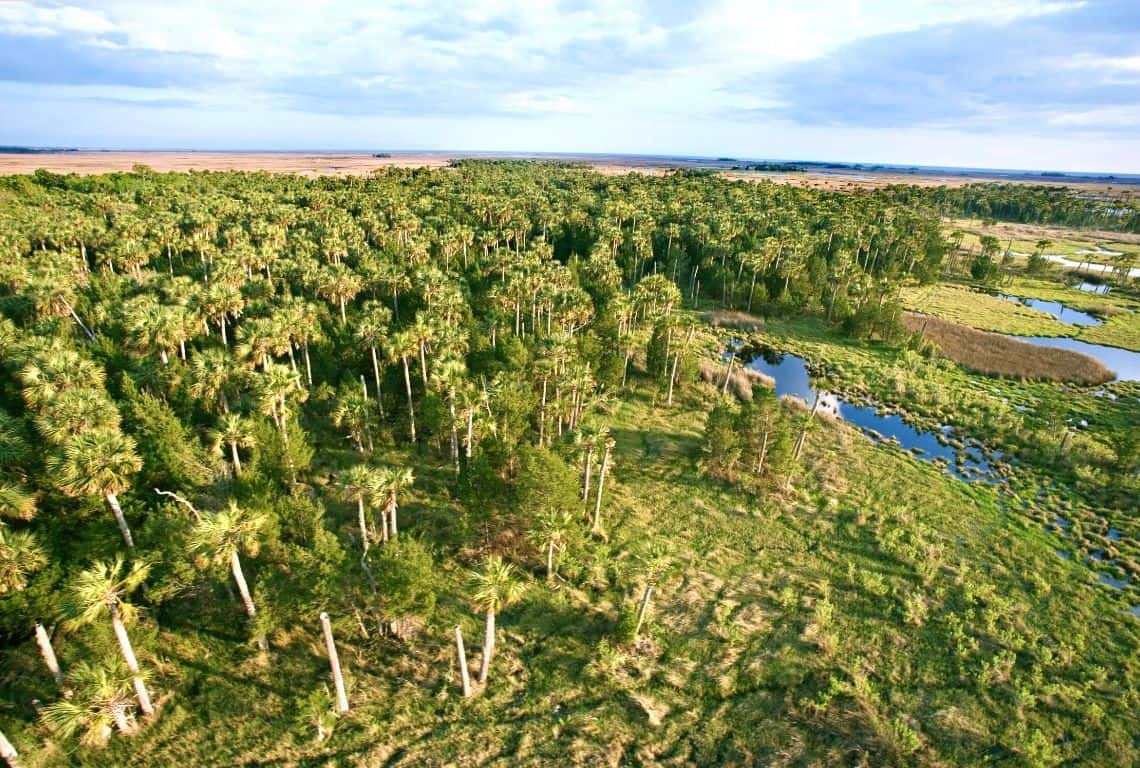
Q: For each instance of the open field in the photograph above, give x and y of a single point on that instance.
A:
(360, 163)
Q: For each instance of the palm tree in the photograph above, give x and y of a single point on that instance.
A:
(389, 484)
(212, 374)
(100, 591)
(20, 556)
(99, 703)
(588, 438)
(357, 484)
(550, 533)
(400, 346)
(8, 752)
(372, 329)
(596, 527)
(98, 462)
(654, 561)
(222, 536)
(448, 375)
(234, 431)
(492, 589)
(334, 664)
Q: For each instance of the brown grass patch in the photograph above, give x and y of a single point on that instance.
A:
(740, 383)
(998, 355)
(724, 318)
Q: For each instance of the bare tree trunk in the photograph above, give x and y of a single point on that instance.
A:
(113, 502)
(8, 752)
(411, 408)
(641, 610)
(462, 662)
(132, 663)
(597, 525)
(376, 375)
(44, 642)
(235, 457)
(363, 521)
(334, 664)
(673, 377)
(488, 647)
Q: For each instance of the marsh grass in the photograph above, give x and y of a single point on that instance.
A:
(997, 355)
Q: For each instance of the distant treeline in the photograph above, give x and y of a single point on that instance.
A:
(1029, 204)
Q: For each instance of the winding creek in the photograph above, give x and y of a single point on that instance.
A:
(1059, 311)
(966, 461)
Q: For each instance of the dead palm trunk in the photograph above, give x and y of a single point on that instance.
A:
(129, 657)
(597, 525)
(488, 647)
(44, 642)
(113, 502)
(8, 752)
(334, 664)
(641, 610)
(411, 407)
(462, 662)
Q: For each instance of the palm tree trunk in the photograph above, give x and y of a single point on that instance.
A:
(243, 590)
(222, 324)
(423, 364)
(550, 560)
(488, 647)
(8, 752)
(462, 662)
(673, 376)
(376, 375)
(334, 664)
(392, 507)
(129, 657)
(641, 610)
(113, 502)
(586, 481)
(411, 408)
(454, 430)
(597, 525)
(542, 417)
(308, 364)
(44, 642)
(235, 457)
(363, 522)
(470, 431)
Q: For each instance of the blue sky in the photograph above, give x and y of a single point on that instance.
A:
(996, 83)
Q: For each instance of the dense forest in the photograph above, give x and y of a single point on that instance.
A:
(1027, 204)
(246, 415)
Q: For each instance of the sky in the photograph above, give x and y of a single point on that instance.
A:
(1035, 84)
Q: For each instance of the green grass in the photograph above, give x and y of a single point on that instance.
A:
(963, 304)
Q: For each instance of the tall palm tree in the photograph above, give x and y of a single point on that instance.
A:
(399, 347)
(550, 533)
(588, 438)
(372, 329)
(234, 431)
(101, 591)
(20, 556)
(222, 537)
(389, 484)
(213, 374)
(98, 462)
(609, 444)
(493, 588)
(448, 376)
(356, 485)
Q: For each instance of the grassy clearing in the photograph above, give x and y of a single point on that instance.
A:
(996, 355)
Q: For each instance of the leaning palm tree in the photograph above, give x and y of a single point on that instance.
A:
(98, 462)
(20, 556)
(234, 431)
(100, 591)
(493, 588)
(356, 485)
(100, 701)
(221, 537)
(390, 483)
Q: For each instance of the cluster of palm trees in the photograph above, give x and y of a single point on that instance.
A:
(452, 316)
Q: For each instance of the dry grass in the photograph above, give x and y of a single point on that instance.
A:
(726, 318)
(740, 383)
(998, 355)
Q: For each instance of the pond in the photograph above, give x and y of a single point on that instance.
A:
(1065, 314)
(1090, 266)
(1101, 288)
(792, 378)
(1123, 362)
